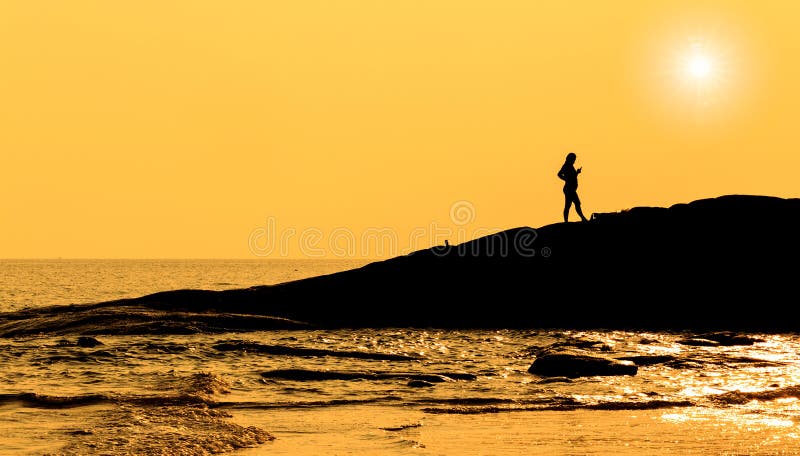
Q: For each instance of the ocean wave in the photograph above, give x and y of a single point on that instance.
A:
(190, 430)
(308, 404)
(98, 356)
(743, 397)
(559, 405)
(195, 389)
(283, 350)
(161, 347)
(206, 384)
(402, 427)
(36, 400)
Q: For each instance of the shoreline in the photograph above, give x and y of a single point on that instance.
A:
(666, 431)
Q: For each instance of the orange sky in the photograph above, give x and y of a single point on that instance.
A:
(190, 128)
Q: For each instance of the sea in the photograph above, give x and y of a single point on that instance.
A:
(383, 391)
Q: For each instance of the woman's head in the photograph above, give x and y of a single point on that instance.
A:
(571, 157)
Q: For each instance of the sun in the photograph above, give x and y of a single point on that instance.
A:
(697, 64)
(702, 71)
(701, 74)
(699, 67)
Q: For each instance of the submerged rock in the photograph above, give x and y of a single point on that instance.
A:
(699, 342)
(321, 375)
(547, 380)
(86, 341)
(574, 365)
(720, 338)
(727, 338)
(123, 318)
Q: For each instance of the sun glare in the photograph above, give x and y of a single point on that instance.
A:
(701, 72)
(699, 66)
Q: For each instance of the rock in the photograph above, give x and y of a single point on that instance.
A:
(727, 338)
(554, 380)
(647, 360)
(574, 365)
(419, 384)
(320, 375)
(697, 342)
(721, 338)
(86, 341)
(698, 266)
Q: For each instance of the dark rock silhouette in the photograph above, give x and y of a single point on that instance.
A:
(304, 375)
(86, 341)
(127, 317)
(728, 338)
(723, 263)
(573, 365)
(721, 338)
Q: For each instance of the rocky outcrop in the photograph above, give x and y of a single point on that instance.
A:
(708, 265)
(573, 365)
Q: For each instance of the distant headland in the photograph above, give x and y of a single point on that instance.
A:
(727, 263)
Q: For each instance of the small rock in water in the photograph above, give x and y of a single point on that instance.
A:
(86, 341)
(575, 365)
(727, 338)
(555, 380)
(420, 384)
(716, 339)
(697, 342)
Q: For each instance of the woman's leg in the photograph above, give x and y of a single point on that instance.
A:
(567, 204)
(578, 207)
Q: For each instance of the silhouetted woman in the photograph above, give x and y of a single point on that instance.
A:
(569, 175)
